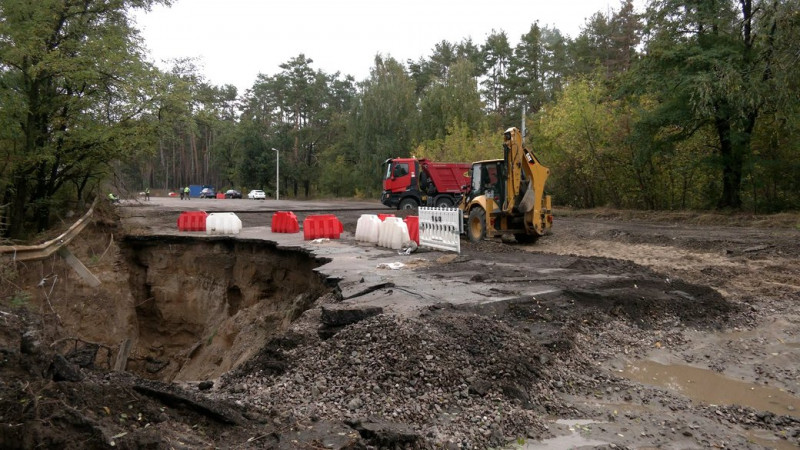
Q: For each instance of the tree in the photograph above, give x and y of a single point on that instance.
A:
(73, 76)
(382, 120)
(608, 42)
(711, 64)
(526, 76)
(497, 55)
(451, 99)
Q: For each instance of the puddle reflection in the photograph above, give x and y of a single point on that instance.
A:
(710, 387)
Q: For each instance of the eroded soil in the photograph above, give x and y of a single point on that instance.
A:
(637, 311)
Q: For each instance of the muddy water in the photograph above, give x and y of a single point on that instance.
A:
(713, 388)
(572, 440)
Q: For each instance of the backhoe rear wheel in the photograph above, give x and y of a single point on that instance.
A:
(476, 224)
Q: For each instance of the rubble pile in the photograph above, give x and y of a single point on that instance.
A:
(454, 377)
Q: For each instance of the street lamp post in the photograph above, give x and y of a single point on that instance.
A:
(277, 173)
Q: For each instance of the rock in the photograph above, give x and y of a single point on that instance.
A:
(30, 343)
(84, 356)
(355, 404)
(338, 316)
(479, 388)
(385, 434)
(205, 385)
(62, 370)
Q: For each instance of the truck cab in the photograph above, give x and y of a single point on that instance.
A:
(400, 184)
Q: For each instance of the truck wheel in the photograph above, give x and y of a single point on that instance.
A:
(524, 238)
(476, 225)
(407, 203)
(443, 202)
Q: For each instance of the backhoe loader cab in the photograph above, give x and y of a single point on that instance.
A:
(506, 196)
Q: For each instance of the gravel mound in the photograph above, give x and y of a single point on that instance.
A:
(451, 377)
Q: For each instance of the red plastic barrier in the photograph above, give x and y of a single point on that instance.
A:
(412, 222)
(322, 226)
(383, 216)
(220, 196)
(285, 222)
(192, 221)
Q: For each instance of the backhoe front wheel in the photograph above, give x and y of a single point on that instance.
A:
(476, 224)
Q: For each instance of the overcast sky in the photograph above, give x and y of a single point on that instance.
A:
(235, 40)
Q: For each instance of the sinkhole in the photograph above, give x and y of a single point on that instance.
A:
(200, 307)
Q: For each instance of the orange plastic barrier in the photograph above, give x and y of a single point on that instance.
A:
(412, 222)
(285, 222)
(192, 221)
(322, 226)
(220, 196)
(383, 216)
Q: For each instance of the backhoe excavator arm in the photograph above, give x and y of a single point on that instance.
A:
(525, 183)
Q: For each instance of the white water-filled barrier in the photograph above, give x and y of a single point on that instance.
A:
(367, 228)
(440, 228)
(223, 223)
(393, 233)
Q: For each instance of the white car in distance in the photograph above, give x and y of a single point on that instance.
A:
(256, 194)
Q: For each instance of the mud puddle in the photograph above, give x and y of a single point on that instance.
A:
(706, 386)
(572, 440)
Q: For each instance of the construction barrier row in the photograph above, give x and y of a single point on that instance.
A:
(322, 226)
(214, 223)
(285, 222)
(387, 231)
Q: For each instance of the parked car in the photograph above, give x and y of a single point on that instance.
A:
(233, 193)
(208, 193)
(256, 194)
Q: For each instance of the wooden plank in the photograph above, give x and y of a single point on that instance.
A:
(78, 267)
(122, 356)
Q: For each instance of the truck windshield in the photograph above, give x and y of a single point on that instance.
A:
(395, 170)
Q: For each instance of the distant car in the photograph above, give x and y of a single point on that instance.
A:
(208, 193)
(256, 194)
(233, 193)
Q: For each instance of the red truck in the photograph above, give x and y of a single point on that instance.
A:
(411, 182)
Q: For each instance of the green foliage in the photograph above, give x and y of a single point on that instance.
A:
(461, 144)
(20, 299)
(72, 81)
(703, 114)
(712, 67)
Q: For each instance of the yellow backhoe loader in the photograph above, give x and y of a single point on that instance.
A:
(506, 196)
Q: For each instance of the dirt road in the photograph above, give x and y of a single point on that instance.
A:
(649, 332)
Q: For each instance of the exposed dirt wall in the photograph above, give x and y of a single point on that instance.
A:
(202, 306)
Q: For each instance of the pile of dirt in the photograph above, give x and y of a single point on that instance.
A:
(452, 377)
(52, 400)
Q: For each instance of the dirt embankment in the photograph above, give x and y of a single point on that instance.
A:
(723, 299)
